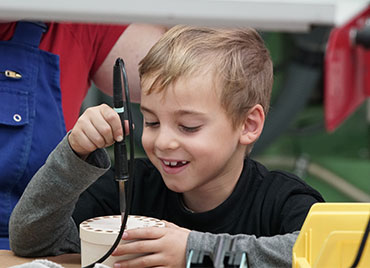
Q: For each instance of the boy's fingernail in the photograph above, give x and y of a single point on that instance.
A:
(124, 235)
(119, 138)
(117, 265)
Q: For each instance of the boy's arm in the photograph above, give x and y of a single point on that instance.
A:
(275, 251)
(41, 223)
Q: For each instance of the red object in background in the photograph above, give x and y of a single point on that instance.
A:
(347, 73)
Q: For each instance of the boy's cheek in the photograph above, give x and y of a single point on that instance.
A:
(146, 141)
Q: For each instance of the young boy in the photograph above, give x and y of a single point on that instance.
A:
(205, 93)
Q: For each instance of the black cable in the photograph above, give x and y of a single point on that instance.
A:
(131, 129)
(362, 245)
(119, 65)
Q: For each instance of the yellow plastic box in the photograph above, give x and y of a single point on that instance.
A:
(331, 236)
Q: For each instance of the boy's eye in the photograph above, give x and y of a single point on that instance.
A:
(189, 129)
(151, 124)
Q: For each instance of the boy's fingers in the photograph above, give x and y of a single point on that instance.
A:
(137, 247)
(149, 260)
(96, 135)
(144, 233)
(127, 127)
(169, 224)
(94, 126)
(104, 129)
(80, 143)
(114, 121)
(87, 144)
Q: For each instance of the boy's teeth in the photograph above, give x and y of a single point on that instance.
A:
(173, 163)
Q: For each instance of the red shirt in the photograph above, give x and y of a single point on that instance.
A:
(82, 48)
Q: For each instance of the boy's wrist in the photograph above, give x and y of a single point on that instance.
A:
(71, 145)
(98, 158)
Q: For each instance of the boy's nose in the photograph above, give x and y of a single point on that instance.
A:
(166, 140)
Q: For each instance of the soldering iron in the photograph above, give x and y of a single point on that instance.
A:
(123, 166)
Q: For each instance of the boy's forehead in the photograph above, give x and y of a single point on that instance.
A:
(196, 83)
(197, 89)
(204, 76)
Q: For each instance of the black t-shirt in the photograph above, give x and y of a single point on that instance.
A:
(263, 203)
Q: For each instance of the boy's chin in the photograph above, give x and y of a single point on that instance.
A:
(173, 187)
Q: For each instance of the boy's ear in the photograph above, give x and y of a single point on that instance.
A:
(252, 126)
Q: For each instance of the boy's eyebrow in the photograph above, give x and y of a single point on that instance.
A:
(188, 112)
(178, 112)
(144, 109)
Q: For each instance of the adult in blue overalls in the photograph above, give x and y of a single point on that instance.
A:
(31, 116)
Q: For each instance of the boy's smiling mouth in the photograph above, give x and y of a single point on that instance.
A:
(173, 166)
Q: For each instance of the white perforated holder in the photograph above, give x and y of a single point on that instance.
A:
(98, 235)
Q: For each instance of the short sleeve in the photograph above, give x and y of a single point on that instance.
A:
(295, 211)
(102, 38)
(287, 202)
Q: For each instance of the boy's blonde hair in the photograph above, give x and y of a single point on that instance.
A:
(237, 57)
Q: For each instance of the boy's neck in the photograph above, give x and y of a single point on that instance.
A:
(210, 197)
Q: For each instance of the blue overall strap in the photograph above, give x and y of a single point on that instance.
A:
(29, 33)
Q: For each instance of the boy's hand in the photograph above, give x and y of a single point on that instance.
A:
(97, 127)
(165, 247)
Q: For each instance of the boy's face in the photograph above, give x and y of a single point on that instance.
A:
(189, 138)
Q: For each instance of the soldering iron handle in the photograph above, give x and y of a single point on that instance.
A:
(120, 161)
(117, 86)
(120, 150)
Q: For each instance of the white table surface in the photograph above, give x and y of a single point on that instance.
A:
(279, 15)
